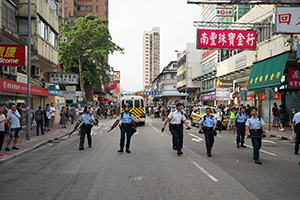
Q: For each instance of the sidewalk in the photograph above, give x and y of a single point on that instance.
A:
(35, 141)
(284, 135)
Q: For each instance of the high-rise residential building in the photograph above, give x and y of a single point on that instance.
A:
(151, 55)
(69, 8)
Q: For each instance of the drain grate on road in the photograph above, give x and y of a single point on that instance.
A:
(135, 178)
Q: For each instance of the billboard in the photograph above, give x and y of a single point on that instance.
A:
(64, 78)
(294, 78)
(288, 20)
(243, 1)
(225, 39)
(222, 94)
(111, 85)
(12, 55)
(224, 83)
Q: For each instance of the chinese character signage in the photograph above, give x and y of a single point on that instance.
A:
(224, 83)
(243, 2)
(288, 20)
(12, 55)
(225, 39)
(224, 12)
(294, 78)
(222, 94)
(64, 78)
(111, 85)
(209, 97)
(151, 93)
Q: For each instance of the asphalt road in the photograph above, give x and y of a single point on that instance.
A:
(153, 170)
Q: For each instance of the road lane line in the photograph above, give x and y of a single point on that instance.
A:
(266, 152)
(155, 129)
(195, 137)
(268, 141)
(196, 140)
(204, 171)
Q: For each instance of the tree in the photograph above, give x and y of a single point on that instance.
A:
(86, 49)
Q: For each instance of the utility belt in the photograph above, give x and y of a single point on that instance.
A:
(126, 125)
(176, 125)
(297, 127)
(253, 131)
(241, 123)
(87, 125)
(206, 129)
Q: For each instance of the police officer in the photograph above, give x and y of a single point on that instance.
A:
(255, 127)
(177, 119)
(209, 124)
(240, 121)
(170, 129)
(296, 124)
(126, 127)
(87, 120)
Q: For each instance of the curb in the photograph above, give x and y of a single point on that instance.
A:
(11, 157)
(280, 137)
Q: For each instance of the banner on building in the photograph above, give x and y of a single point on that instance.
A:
(288, 19)
(71, 79)
(209, 97)
(222, 94)
(294, 78)
(69, 95)
(224, 83)
(111, 85)
(243, 2)
(225, 39)
(151, 93)
(12, 55)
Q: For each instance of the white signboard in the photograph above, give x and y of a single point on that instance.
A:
(222, 94)
(240, 62)
(224, 6)
(69, 95)
(224, 12)
(288, 20)
(64, 78)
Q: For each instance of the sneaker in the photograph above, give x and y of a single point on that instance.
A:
(280, 129)
(2, 155)
(15, 148)
(7, 149)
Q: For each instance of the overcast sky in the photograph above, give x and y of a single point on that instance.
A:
(129, 19)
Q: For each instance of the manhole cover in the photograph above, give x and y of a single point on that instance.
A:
(135, 178)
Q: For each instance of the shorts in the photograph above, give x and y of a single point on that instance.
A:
(276, 118)
(52, 117)
(15, 133)
(231, 122)
(47, 123)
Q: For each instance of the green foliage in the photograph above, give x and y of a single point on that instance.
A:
(86, 49)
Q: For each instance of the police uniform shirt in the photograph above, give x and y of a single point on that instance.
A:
(127, 118)
(14, 119)
(176, 117)
(296, 118)
(209, 121)
(255, 123)
(182, 110)
(241, 118)
(86, 118)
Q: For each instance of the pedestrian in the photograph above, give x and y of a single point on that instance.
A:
(52, 114)
(126, 128)
(21, 112)
(31, 118)
(87, 120)
(209, 124)
(72, 113)
(39, 117)
(163, 110)
(255, 127)
(105, 112)
(177, 119)
(248, 110)
(275, 113)
(219, 118)
(47, 118)
(296, 123)
(14, 127)
(282, 117)
(3, 121)
(63, 114)
(68, 114)
(240, 121)
(231, 118)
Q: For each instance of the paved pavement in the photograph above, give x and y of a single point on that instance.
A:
(153, 170)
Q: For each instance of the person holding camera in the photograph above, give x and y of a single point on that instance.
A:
(208, 124)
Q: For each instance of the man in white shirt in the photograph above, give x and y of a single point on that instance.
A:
(52, 113)
(14, 127)
(3, 120)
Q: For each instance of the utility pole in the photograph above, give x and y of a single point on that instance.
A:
(28, 126)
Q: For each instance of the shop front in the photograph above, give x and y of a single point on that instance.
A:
(209, 99)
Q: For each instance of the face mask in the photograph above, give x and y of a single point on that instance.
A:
(293, 112)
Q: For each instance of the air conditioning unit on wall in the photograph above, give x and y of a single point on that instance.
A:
(36, 71)
(13, 71)
(22, 70)
(4, 69)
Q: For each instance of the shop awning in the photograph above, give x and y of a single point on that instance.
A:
(267, 73)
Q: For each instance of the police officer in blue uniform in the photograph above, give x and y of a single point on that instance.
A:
(177, 119)
(209, 124)
(87, 120)
(255, 127)
(296, 124)
(170, 129)
(240, 121)
(126, 127)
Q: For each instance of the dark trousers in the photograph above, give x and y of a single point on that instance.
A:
(256, 143)
(297, 141)
(125, 130)
(209, 140)
(173, 140)
(85, 130)
(1, 139)
(38, 124)
(178, 137)
(241, 130)
(219, 124)
(72, 118)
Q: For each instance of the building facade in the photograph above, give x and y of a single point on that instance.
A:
(151, 55)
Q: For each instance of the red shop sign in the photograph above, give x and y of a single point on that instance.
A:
(294, 78)
(13, 86)
(277, 96)
(249, 98)
(225, 39)
(12, 55)
(262, 97)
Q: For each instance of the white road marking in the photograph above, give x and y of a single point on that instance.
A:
(268, 141)
(150, 124)
(155, 129)
(204, 171)
(195, 137)
(272, 154)
(106, 128)
(196, 140)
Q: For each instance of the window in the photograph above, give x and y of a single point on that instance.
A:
(42, 29)
(60, 10)
(89, 8)
(22, 26)
(80, 8)
(66, 1)
(53, 39)
(96, 8)
(66, 11)
(46, 32)
(137, 104)
(142, 103)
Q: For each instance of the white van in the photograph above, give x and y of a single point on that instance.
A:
(137, 106)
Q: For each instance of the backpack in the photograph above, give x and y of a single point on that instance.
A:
(38, 115)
